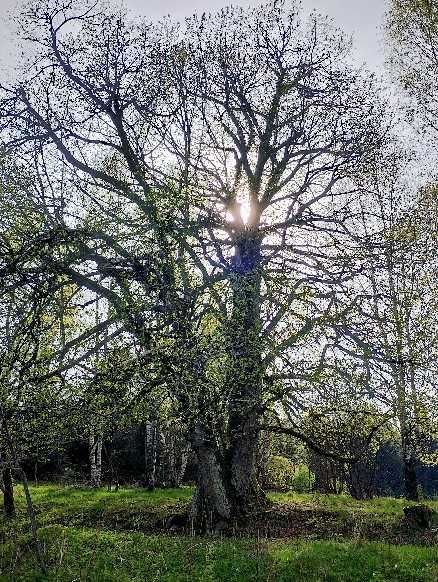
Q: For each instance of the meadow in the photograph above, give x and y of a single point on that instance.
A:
(97, 535)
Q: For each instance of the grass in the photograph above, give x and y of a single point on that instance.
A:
(348, 562)
(128, 509)
(388, 506)
(90, 555)
(105, 556)
(93, 535)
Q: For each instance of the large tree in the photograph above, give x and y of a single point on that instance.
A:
(219, 162)
(284, 126)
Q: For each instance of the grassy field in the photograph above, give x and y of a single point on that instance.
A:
(92, 536)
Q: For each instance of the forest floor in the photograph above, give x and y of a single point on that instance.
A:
(97, 535)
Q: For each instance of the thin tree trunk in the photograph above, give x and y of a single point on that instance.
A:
(409, 472)
(95, 458)
(163, 461)
(170, 461)
(30, 508)
(35, 466)
(98, 477)
(183, 466)
(8, 492)
(150, 453)
(110, 459)
(33, 521)
(92, 458)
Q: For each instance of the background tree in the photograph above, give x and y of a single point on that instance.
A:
(346, 432)
(395, 331)
(412, 27)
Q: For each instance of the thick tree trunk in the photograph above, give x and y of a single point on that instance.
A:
(359, 483)
(360, 476)
(246, 492)
(410, 478)
(245, 376)
(212, 502)
(327, 474)
(227, 487)
(8, 493)
(227, 480)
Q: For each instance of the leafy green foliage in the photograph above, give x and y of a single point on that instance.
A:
(279, 473)
(303, 479)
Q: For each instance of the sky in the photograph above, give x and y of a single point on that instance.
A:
(361, 18)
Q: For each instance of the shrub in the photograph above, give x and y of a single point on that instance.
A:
(279, 473)
(303, 479)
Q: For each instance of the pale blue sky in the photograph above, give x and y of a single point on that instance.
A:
(362, 18)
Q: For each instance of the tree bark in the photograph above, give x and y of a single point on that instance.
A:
(212, 500)
(92, 458)
(327, 474)
(245, 375)
(8, 493)
(150, 454)
(33, 522)
(95, 457)
(360, 481)
(170, 460)
(409, 472)
(183, 466)
(99, 461)
(227, 480)
(410, 478)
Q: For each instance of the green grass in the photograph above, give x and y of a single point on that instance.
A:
(105, 556)
(57, 499)
(80, 497)
(91, 535)
(348, 562)
(128, 509)
(388, 506)
(90, 555)
(70, 499)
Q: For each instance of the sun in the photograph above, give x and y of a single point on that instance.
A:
(245, 211)
(244, 208)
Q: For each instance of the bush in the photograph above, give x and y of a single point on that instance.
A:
(279, 474)
(303, 479)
